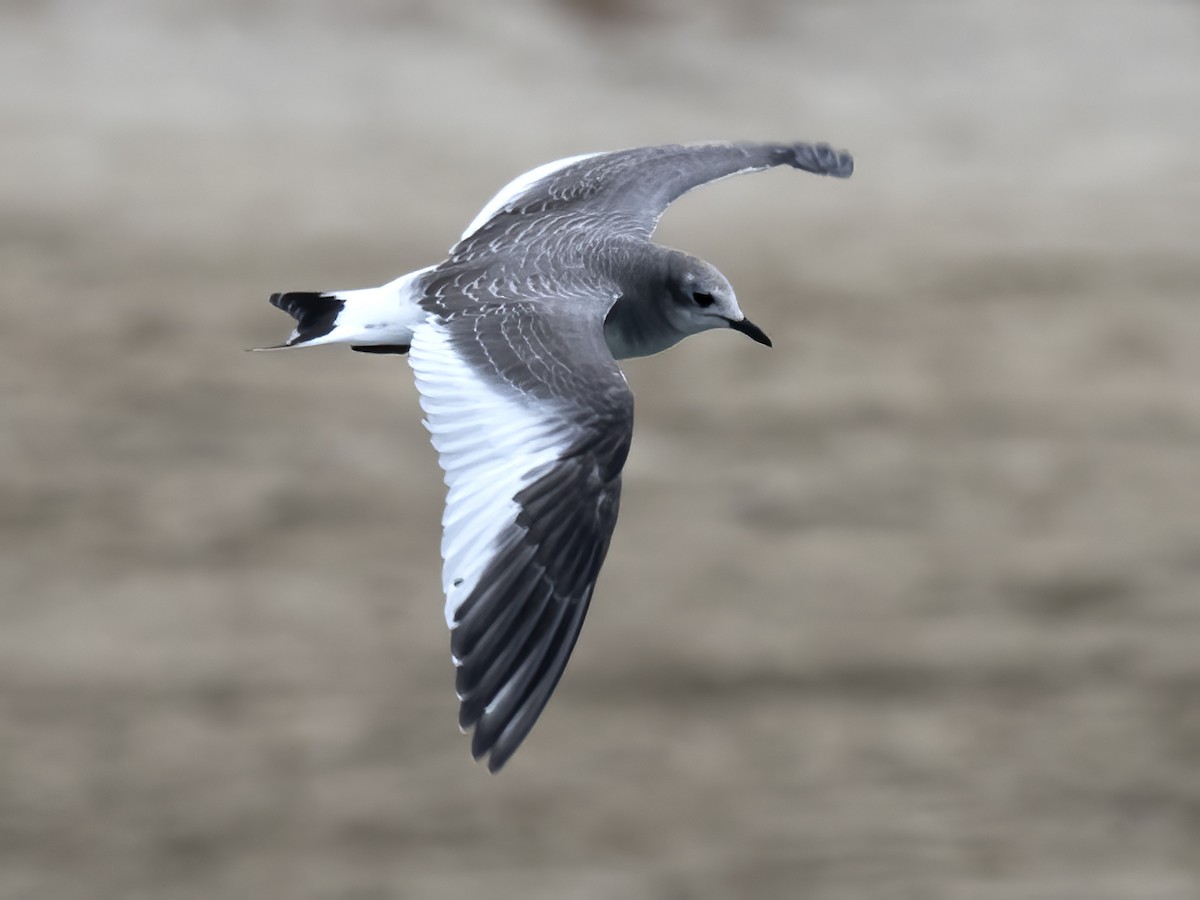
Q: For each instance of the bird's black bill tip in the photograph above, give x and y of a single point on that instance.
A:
(750, 330)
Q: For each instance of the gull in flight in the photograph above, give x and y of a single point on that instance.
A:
(513, 340)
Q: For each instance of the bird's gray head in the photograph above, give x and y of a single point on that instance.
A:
(701, 298)
(668, 297)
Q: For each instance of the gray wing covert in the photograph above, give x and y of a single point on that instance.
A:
(630, 189)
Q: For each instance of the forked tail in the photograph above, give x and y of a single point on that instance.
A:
(315, 314)
(372, 320)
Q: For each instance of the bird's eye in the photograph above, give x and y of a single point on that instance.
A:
(703, 300)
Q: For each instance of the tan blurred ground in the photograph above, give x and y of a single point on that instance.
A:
(908, 607)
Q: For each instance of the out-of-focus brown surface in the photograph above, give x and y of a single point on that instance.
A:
(907, 607)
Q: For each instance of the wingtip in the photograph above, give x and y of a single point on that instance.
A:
(823, 159)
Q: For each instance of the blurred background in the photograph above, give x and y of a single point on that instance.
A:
(907, 607)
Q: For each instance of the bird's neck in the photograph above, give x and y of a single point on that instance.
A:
(639, 322)
(639, 326)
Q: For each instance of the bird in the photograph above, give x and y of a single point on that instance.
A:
(514, 341)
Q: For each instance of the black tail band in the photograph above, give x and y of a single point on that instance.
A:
(315, 313)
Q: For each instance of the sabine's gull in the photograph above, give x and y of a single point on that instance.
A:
(513, 340)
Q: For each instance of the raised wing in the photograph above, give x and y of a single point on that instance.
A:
(532, 442)
(630, 188)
